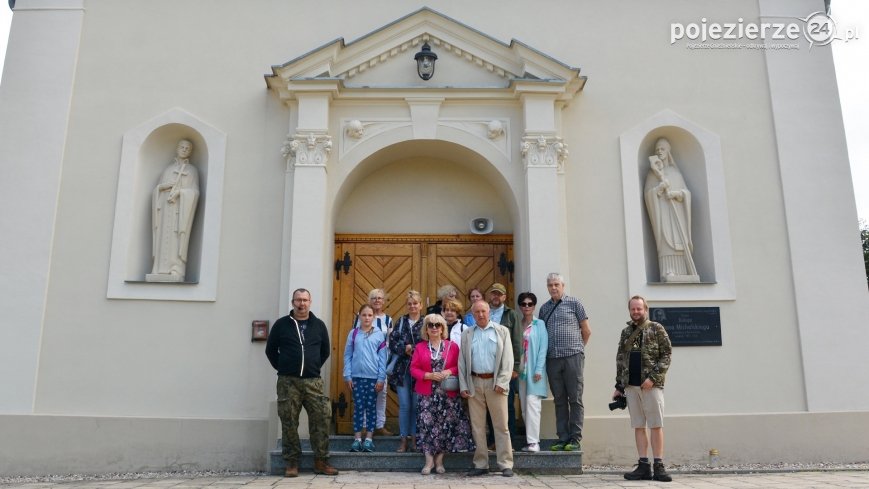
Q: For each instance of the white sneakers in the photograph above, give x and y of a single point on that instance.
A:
(531, 447)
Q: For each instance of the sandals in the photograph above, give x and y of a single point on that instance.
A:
(426, 470)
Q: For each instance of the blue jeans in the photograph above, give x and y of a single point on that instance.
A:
(407, 407)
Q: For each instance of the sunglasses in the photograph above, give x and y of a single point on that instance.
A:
(435, 326)
(526, 304)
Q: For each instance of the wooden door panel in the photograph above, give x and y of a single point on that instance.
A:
(469, 265)
(398, 264)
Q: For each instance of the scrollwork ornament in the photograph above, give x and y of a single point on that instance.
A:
(539, 151)
(307, 149)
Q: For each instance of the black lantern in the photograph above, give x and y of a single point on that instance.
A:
(425, 62)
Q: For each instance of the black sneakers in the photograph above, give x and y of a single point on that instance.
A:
(643, 471)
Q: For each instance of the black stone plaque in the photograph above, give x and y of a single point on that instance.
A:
(689, 326)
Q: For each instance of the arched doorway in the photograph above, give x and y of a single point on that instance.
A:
(405, 225)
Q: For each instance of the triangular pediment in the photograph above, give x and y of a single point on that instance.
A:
(384, 60)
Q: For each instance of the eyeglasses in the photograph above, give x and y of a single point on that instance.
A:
(434, 326)
(377, 298)
(526, 304)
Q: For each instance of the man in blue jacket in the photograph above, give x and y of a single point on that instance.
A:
(298, 347)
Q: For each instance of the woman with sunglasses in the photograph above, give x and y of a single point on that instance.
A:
(404, 336)
(532, 369)
(442, 425)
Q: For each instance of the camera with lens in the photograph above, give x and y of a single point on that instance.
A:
(620, 402)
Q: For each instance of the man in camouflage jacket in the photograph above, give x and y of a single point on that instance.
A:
(642, 361)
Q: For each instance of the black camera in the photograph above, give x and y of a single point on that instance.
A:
(620, 402)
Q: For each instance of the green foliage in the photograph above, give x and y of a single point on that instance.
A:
(864, 238)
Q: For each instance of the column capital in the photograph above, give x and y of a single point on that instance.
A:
(307, 149)
(543, 151)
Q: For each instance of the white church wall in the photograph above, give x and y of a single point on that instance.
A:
(721, 91)
(146, 360)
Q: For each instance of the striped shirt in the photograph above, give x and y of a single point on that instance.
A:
(562, 323)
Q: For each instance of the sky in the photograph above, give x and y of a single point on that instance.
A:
(852, 72)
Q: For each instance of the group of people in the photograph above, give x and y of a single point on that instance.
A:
(457, 375)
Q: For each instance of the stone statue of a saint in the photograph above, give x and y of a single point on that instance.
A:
(173, 208)
(668, 201)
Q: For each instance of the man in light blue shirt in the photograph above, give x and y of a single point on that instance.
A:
(485, 370)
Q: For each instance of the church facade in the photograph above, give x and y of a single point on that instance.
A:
(633, 148)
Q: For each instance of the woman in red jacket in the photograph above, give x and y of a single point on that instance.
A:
(442, 424)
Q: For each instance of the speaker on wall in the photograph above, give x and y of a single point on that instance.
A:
(481, 225)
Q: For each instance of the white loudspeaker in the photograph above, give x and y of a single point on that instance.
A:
(481, 225)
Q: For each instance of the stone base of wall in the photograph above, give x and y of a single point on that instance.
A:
(43, 445)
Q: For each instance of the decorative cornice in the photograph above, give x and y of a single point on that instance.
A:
(311, 149)
(429, 238)
(539, 151)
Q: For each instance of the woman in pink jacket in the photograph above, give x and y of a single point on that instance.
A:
(442, 424)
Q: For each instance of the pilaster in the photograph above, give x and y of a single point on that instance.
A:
(33, 132)
(306, 235)
(543, 158)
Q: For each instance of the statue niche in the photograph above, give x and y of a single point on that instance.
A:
(173, 208)
(668, 202)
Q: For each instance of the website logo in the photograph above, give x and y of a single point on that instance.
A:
(818, 28)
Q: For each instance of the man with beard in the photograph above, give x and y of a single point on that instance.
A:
(642, 361)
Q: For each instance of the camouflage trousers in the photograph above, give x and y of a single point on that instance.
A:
(294, 393)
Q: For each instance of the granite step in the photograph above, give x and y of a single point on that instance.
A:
(385, 459)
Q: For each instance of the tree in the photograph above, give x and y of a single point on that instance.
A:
(864, 238)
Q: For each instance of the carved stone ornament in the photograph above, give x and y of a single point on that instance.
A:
(354, 129)
(495, 129)
(307, 149)
(540, 151)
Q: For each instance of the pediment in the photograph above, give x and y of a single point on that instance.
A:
(383, 60)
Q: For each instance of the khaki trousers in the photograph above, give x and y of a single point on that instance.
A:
(485, 398)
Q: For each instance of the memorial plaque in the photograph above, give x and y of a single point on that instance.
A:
(689, 326)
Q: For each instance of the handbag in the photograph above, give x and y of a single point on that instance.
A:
(450, 384)
(390, 367)
(393, 358)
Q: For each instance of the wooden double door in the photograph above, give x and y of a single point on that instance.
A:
(398, 264)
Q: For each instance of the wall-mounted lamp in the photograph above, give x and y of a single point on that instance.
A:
(259, 330)
(425, 62)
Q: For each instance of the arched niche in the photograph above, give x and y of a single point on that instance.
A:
(690, 159)
(146, 151)
(697, 152)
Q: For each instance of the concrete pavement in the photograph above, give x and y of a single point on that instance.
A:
(404, 480)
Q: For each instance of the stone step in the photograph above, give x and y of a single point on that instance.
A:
(385, 459)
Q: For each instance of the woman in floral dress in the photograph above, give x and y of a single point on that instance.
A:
(442, 423)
